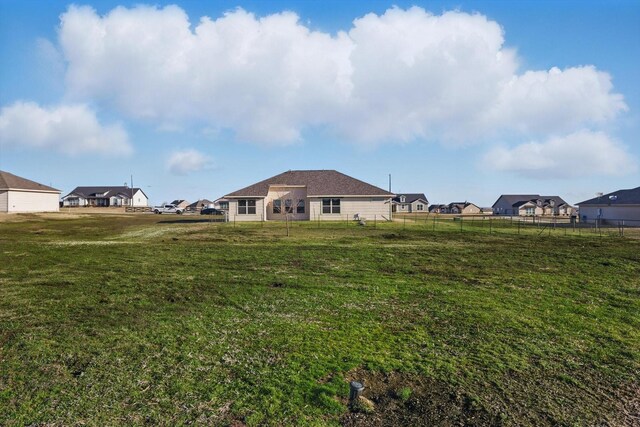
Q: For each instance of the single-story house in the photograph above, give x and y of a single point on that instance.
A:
(105, 197)
(221, 204)
(410, 202)
(463, 208)
(438, 209)
(199, 205)
(182, 204)
(530, 205)
(458, 208)
(19, 194)
(621, 205)
(309, 195)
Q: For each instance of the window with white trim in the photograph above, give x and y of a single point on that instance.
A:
(330, 206)
(288, 206)
(300, 206)
(419, 207)
(277, 206)
(246, 207)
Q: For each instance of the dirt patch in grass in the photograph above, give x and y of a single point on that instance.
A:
(405, 399)
(630, 408)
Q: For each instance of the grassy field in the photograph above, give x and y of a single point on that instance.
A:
(165, 320)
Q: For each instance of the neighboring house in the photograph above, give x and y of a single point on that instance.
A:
(182, 204)
(309, 195)
(105, 197)
(486, 211)
(199, 205)
(457, 208)
(410, 202)
(530, 205)
(463, 208)
(23, 195)
(620, 205)
(438, 209)
(221, 203)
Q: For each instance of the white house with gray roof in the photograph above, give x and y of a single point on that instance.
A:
(105, 197)
(19, 194)
(303, 195)
(621, 205)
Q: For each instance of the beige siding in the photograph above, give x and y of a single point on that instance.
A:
(369, 208)
(537, 210)
(414, 206)
(234, 216)
(403, 208)
(31, 201)
(567, 210)
(4, 195)
(287, 193)
(471, 210)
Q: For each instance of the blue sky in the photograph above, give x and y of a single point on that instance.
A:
(459, 100)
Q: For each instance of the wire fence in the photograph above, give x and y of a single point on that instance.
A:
(482, 224)
(539, 225)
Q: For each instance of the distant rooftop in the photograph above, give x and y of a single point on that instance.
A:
(620, 197)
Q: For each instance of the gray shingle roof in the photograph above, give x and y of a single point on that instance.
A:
(461, 205)
(9, 181)
(410, 197)
(200, 204)
(518, 199)
(103, 191)
(318, 183)
(620, 197)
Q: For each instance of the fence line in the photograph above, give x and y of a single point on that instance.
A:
(488, 225)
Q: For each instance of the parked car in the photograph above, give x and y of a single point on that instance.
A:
(211, 211)
(168, 209)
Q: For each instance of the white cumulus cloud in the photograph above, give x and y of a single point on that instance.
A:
(188, 161)
(398, 76)
(71, 129)
(581, 153)
(543, 102)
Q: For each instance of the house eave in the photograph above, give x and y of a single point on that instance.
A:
(31, 190)
(244, 197)
(384, 196)
(605, 205)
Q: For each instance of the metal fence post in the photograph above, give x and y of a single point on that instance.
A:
(355, 390)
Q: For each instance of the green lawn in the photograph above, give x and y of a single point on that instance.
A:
(165, 320)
